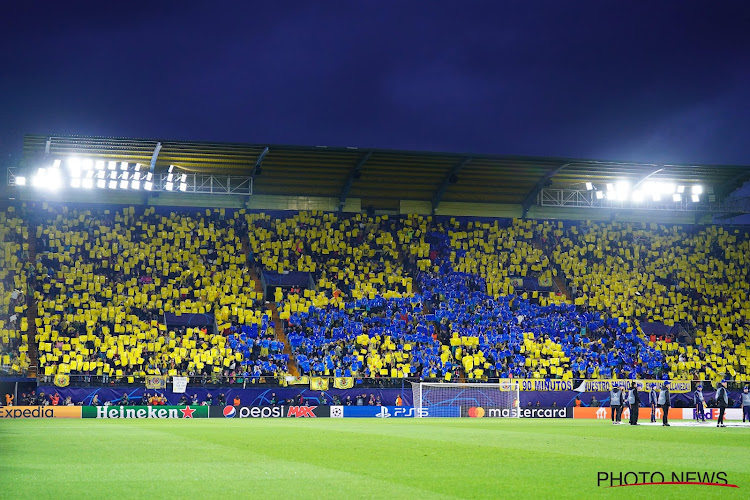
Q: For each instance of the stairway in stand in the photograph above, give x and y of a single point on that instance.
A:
(31, 307)
(278, 328)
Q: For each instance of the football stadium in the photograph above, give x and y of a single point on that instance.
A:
(345, 322)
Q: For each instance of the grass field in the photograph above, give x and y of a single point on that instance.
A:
(358, 458)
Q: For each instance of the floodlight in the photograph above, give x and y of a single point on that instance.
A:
(112, 184)
(101, 183)
(87, 183)
(136, 176)
(137, 167)
(123, 184)
(696, 198)
(56, 163)
(135, 184)
(75, 183)
(611, 195)
(171, 167)
(87, 164)
(38, 179)
(169, 186)
(147, 185)
(90, 174)
(183, 178)
(183, 186)
(610, 186)
(100, 164)
(112, 165)
(589, 186)
(637, 196)
(623, 186)
(656, 196)
(697, 189)
(124, 165)
(124, 176)
(680, 189)
(676, 197)
(20, 181)
(170, 177)
(149, 176)
(100, 174)
(668, 188)
(599, 195)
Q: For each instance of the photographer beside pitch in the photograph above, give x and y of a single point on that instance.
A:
(653, 398)
(722, 398)
(745, 404)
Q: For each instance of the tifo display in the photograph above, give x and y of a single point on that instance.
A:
(233, 297)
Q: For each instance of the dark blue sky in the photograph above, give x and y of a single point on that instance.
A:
(650, 81)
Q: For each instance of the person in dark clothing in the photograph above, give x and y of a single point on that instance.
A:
(653, 398)
(635, 403)
(664, 401)
(745, 403)
(722, 399)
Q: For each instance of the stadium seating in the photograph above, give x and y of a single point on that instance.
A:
(14, 356)
(108, 278)
(409, 296)
(696, 276)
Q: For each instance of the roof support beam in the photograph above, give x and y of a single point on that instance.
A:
(538, 188)
(353, 173)
(154, 157)
(438, 196)
(258, 163)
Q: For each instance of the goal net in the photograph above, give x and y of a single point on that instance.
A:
(445, 399)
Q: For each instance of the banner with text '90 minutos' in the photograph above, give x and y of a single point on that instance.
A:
(145, 412)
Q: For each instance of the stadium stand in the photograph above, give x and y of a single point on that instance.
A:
(108, 281)
(694, 277)
(14, 359)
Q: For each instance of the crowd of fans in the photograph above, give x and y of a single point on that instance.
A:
(14, 358)
(410, 296)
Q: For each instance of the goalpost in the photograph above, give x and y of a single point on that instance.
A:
(449, 399)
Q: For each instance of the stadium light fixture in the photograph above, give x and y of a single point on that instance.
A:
(611, 195)
(56, 163)
(148, 185)
(637, 196)
(112, 165)
(677, 197)
(136, 176)
(75, 183)
(124, 165)
(589, 186)
(170, 177)
(90, 174)
(100, 164)
(124, 176)
(101, 183)
(610, 186)
(135, 184)
(668, 188)
(696, 198)
(123, 184)
(137, 167)
(38, 179)
(20, 180)
(183, 186)
(100, 174)
(599, 195)
(169, 186)
(87, 183)
(680, 189)
(697, 189)
(183, 178)
(171, 167)
(149, 176)
(112, 184)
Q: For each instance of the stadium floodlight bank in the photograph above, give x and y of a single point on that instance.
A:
(449, 399)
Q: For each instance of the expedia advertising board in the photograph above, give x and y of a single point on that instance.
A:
(145, 411)
(40, 412)
(533, 412)
(269, 411)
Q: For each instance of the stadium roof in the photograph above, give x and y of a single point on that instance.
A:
(375, 174)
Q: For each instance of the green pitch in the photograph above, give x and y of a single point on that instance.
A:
(358, 458)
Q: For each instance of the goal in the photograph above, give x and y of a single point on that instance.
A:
(444, 399)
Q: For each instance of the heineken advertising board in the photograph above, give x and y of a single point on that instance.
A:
(144, 412)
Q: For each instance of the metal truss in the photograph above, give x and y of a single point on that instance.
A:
(581, 198)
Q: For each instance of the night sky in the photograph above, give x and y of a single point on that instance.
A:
(643, 81)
